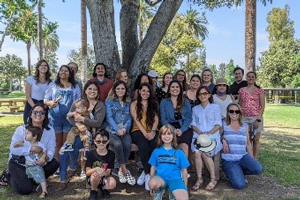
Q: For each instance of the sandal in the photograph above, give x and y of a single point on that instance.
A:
(212, 184)
(198, 184)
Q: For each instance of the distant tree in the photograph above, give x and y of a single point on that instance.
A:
(221, 71)
(214, 70)
(229, 72)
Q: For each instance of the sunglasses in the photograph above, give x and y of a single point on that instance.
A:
(35, 112)
(204, 94)
(101, 141)
(235, 111)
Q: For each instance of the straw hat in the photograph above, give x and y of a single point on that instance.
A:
(221, 81)
(204, 143)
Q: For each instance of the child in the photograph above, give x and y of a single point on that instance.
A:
(81, 108)
(33, 136)
(168, 166)
(99, 164)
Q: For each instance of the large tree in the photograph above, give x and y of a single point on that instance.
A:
(83, 41)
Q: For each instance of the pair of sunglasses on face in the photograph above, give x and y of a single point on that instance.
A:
(235, 111)
(101, 141)
(35, 112)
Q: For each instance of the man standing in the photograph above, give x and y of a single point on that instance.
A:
(100, 76)
(238, 83)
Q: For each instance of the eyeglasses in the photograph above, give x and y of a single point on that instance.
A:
(235, 111)
(101, 141)
(180, 74)
(204, 94)
(35, 112)
(223, 85)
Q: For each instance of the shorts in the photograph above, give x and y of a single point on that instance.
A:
(251, 120)
(60, 124)
(101, 183)
(186, 137)
(174, 184)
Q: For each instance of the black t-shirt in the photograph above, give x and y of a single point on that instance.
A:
(95, 160)
(234, 88)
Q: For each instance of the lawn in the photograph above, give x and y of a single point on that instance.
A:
(14, 94)
(280, 157)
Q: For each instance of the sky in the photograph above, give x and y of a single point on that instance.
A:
(226, 38)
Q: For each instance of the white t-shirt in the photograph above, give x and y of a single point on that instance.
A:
(223, 103)
(33, 157)
(37, 90)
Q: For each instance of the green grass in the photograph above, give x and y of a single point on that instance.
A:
(14, 94)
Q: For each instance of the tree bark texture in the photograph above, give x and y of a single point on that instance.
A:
(83, 42)
(128, 27)
(153, 37)
(250, 35)
(40, 29)
(103, 31)
(28, 47)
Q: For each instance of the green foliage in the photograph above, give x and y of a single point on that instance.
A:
(75, 56)
(224, 71)
(296, 81)
(229, 72)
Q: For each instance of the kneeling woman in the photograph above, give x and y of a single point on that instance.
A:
(237, 162)
(99, 164)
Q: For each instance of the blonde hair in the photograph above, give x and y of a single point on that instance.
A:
(164, 129)
(228, 120)
(118, 76)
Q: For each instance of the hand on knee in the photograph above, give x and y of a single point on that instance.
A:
(153, 185)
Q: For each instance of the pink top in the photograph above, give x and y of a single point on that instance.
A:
(251, 105)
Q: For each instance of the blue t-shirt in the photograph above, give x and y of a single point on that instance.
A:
(169, 163)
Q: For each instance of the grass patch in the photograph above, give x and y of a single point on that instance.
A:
(14, 94)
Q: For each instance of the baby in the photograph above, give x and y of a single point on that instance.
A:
(33, 170)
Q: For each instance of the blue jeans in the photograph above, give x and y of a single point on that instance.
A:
(73, 155)
(236, 170)
(121, 147)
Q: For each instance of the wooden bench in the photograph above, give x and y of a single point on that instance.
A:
(12, 104)
(14, 109)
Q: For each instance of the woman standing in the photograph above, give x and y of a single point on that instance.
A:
(208, 79)
(190, 94)
(36, 86)
(144, 112)
(221, 96)
(161, 92)
(97, 115)
(177, 112)
(118, 125)
(59, 97)
(252, 101)
(38, 117)
(207, 120)
(180, 76)
(237, 149)
(142, 78)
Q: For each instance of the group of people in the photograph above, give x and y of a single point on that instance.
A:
(172, 124)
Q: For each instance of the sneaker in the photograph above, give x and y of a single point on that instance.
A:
(104, 193)
(93, 195)
(130, 179)
(122, 178)
(158, 194)
(68, 147)
(147, 179)
(82, 174)
(43, 195)
(141, 179)
(56, 173)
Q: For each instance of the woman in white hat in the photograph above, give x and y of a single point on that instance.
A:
(206, 120)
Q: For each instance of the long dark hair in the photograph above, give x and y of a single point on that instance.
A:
(180, 98)
(184, 83)
(90, 82)
(37, 72)
(71, 76)
(46, 120)
(163, 82)
(137, 82)
(94, 72)
(253, 72)
(207, 90)
(114, 96)
(152, 107)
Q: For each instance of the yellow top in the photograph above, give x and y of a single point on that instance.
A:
(143, 122)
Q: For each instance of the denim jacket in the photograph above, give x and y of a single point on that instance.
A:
(117, 117)
(167, 114)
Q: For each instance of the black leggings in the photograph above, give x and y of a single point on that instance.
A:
(19, 180)
(145, 148)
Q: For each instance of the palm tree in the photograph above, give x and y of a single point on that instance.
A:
(83, 42)
(50, 39)
(146, 13)
(40, 28)
(196, 24)
(250, 32)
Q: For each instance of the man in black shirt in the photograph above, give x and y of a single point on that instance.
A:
(238, 83)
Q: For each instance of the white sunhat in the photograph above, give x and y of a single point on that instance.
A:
(153, 74)
(204, 143)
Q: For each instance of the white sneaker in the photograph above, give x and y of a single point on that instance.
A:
(147, 179)
(130, 179)
(122, 178)
(141, 179)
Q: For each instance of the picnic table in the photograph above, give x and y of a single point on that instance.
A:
(12, 104)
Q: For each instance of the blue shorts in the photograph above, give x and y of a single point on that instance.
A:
(174, 184)
(60, 124)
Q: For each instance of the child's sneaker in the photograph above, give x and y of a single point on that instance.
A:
(68, 147)
(82, 174)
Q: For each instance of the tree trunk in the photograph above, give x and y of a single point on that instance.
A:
(40, 29)
(103, 31)
(28, 46)
(250, 35)
(83, 42)
(5, 30)
(155, 34)
(128, 27)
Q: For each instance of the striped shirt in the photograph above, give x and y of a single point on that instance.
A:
(237, 141)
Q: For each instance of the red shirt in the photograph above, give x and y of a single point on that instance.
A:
(251, 102)
(104, 87)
